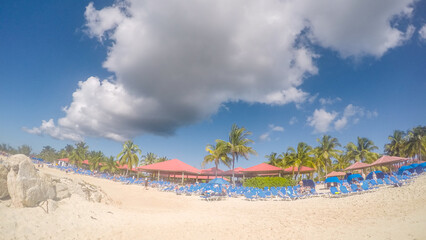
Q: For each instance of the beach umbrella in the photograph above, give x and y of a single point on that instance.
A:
(332, 180)
(219, 181)
(414, 165)
(423, 165)
(379, 174)
(353, 176)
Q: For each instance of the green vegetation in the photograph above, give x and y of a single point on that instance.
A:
(217, 153)
(262, 182)
(327, 156)
(129, 155)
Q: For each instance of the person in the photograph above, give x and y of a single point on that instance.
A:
(146, 183)
(374, 176)
(358, 184)
(302, 189)
(363, 175)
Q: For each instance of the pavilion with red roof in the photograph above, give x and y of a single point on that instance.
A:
(262, 169)
(385, 160)
(336, 174)
(174, 166)
(303, 169)
(357, 165)
(238, 172)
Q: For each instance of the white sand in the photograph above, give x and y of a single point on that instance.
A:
(389, 213)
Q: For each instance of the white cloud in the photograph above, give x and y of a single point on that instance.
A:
(422, 32)
(265, 137)
(49, 128)
(329, 101)
(357, 28)
(321, 120)
(272, 128)
(176, 62)
(276, 128)
(292, 121)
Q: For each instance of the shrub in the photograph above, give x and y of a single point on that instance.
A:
(262, 182)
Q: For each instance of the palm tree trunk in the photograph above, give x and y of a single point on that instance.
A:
(216, 170)
(233, 167)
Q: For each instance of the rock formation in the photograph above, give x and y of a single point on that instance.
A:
(26, 187)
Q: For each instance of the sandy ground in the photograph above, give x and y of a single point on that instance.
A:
(389, 213)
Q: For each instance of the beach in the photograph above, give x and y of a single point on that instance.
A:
(136, 213)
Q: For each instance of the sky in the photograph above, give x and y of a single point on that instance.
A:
(173, 76)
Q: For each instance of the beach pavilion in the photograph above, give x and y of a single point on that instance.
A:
(336, 174)
(262, 170)
(303, 170)
(174, 166)
(357, 166)
(211, 172)
(390, 160)
(238, 172)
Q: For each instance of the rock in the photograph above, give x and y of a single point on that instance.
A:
(52, 205)
(61, 191)
(13, 161)
(4, 193)
(26, 187)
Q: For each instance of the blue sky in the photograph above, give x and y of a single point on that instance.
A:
(180, 74)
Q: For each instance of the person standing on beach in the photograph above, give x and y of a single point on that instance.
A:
(146, 183)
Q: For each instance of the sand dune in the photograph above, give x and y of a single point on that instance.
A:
(389, 213)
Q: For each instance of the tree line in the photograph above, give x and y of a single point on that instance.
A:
(131, 155)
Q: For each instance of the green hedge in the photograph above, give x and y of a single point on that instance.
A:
(262, 182)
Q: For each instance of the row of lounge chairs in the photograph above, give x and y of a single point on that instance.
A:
(369, 185)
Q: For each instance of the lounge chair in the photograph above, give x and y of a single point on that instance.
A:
(334, 192)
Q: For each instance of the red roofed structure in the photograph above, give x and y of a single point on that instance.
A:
(384, 160)
(303, 169)
(357, 165)
(171, 166)
(238, 172)
(263, 168)
(211, 172)
(336, 174)
(64, 160)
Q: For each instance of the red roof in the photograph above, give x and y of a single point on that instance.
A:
(336, 174)
(211, 171)
(303, 169)
(262, 168)
(237, 171)
(357, 165)
(64, 159)
(173, 165)
(85, 162)
(192, 176)
(388, 160)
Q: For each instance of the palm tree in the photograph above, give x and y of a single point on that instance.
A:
(217, 154)
(302, 156)
(342, 162)
(237, 145)
(79, 154)
(48, 153)
(110, 165)
(161, 159)
(129, 155)
(273, 159)
(95, 159)
(326, 150)
(397, 146)
(416, 142)
(149, 158)
(25, 149)
(362, 152)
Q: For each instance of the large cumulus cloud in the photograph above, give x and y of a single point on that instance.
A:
(176, 62)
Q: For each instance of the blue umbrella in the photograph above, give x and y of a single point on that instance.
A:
(414, 165)
(379, 174)
(405, 168)
(353, 176)
(332, 180)
(423, 165)
(219, 181)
